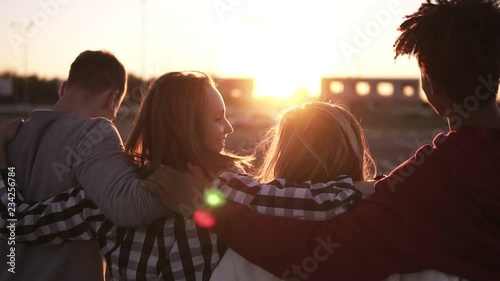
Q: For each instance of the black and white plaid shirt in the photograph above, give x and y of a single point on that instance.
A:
(171, 248)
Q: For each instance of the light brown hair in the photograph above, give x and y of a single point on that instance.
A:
(317, 141)
(169, 129)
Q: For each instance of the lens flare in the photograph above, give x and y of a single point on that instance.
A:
(214, 198)
(203, 218)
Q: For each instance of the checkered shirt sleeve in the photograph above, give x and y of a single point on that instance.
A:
(171, 248)
(319, 201)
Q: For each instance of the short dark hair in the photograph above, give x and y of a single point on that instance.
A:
(97, 71)
(457, 42)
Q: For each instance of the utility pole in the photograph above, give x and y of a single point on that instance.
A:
(22, 28)
(143, 38)
(26, 72)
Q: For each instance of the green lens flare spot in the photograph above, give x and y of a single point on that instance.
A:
(214, 198)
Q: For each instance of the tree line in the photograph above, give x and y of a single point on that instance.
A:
(36, 90)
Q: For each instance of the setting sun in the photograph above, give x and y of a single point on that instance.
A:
(284, 55)
(285, 85)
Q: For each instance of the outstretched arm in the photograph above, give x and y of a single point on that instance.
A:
(319, 201)
(8, 131)
(110, 178)
(400, 229)
(361, 244)
(3, 157)
(67, 216)
(308, 201)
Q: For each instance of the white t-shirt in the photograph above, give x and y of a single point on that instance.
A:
(234, 267)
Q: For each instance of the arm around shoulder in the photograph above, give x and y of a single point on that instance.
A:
(110, 178)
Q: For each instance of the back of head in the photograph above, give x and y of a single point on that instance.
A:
(457, 42)
(319, 142)
(97, 71)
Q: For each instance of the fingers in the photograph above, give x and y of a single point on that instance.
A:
(12, 125)
(178, 188)
(18, 121)
(166, 198)
(151, 188)
(168, 170)
(8, 130)
(163, 177)
(366, 187)
(197, 172)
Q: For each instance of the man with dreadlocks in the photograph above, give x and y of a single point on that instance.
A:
(438, 210)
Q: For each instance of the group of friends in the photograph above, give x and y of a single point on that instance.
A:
(310, 211)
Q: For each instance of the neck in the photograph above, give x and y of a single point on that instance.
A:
(487, 116)
(77, 106)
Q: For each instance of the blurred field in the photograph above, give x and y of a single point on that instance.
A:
(392, 139)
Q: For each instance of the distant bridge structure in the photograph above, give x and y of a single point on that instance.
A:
(236, 91)
(374, 95)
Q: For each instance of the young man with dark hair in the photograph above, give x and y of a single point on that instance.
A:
(97, 71)
(76, 144)
(94, 77)
(438, 210)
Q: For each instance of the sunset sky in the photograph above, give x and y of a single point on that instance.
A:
(284, 44)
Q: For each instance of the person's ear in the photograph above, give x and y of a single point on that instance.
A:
(111, 99)
(435, 88)
(62, 89)
(430, 85)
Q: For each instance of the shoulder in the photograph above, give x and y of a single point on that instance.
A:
(102, 124)
(72, 121)
(92, 129)
(235, 267)
(425, 275)
(476, 136)
(467, 143)
(442, 146)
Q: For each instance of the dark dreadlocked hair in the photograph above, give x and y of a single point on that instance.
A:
(457, 42)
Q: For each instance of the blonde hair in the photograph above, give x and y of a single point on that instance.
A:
(317, 141)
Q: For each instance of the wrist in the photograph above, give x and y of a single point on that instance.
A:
(3, 156)
(379, 177)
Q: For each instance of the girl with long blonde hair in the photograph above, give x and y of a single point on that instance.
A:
(317, 142)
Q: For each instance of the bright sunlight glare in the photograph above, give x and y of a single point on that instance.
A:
(285, 55)
(287, 71)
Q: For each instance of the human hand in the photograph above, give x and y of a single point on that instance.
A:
(181, 192)
(366, 187)
(8, 131)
